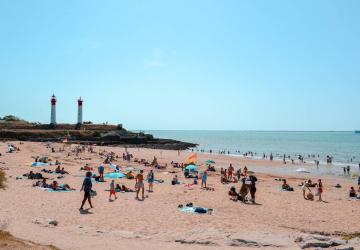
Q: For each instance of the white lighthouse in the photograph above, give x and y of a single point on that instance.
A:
(80, 113)
(53, 110)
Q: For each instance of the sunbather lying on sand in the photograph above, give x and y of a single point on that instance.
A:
(60, 171)
(41, 183)
(123, 188)
(33, 176)
(129, 175)
(86, 168)
(64, 187)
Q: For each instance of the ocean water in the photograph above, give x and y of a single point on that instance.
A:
(344, 147)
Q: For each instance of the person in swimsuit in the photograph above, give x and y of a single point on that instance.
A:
(86, 186)
(112, 190)
(101, 172)
(320, 189)
(204, 179)
(139, 184)
(150, 179)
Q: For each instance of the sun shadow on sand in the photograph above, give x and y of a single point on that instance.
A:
(85, 211)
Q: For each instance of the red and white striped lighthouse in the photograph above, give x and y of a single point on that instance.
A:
(53, 110)
(80, 113)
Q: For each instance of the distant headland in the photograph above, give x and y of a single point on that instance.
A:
(14, 128)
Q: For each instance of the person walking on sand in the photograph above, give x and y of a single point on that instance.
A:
(139, 184)
(204, 179)
(320, 189)
(87, 187)
(150, 179)
(112, 190)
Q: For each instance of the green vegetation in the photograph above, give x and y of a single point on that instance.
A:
(11, 118)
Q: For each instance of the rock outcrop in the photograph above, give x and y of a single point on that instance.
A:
(99, 134)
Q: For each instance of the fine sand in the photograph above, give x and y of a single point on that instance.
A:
(275, 221)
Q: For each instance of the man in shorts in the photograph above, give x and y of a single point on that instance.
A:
(101, 172)
(139, 184)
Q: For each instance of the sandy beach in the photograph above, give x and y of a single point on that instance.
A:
(275, 221)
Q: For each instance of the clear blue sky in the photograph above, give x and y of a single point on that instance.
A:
(269, 65)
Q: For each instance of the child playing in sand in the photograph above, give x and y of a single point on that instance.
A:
(112, 190)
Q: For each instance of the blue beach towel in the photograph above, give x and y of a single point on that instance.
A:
(115, 175)
(39, 164)
(50, 190)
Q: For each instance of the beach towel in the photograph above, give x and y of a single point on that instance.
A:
(198, 210)
(116, 175)
(39, 164)
(54, 191)
(302, 170)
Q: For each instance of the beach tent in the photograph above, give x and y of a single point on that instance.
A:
(115, 175)
(191, 167)
(39, 164)
(210, 162)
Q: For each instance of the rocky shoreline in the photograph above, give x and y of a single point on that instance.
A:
(97, 134)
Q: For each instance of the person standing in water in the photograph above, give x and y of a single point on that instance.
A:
(87, 187)
(140, 184)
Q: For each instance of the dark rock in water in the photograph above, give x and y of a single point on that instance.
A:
(85, 134)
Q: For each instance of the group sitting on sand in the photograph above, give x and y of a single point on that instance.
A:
(248, 185)
(54, 186)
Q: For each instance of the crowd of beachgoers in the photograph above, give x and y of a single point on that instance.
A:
(246, 178)
(109, 173)
(312, 158)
